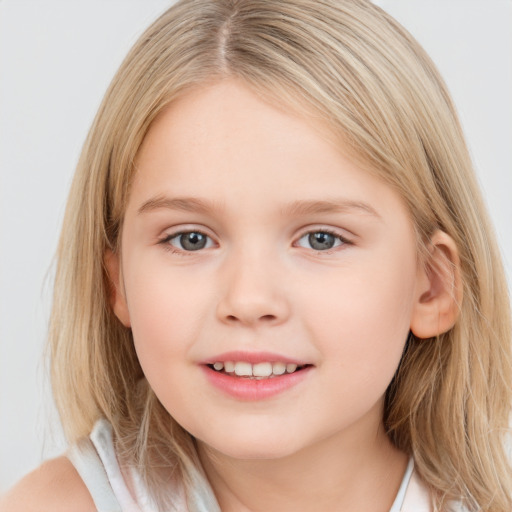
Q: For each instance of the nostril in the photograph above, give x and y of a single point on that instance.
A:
(264, 318)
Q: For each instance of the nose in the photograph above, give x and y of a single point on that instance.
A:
(253, 292)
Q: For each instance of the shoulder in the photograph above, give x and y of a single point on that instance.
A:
(55, 485)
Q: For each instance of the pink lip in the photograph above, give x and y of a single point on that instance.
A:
(252, 357)
(247, 389)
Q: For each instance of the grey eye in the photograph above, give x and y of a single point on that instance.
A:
(320, 240)
(190, 241)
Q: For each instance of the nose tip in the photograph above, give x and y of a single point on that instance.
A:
(252, 295)
(251, 310)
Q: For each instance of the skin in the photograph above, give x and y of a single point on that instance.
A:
(260, 285)
(55, 486)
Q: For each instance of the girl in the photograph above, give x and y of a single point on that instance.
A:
(277, 286)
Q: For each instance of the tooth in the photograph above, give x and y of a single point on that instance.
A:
(218, 366)
(278, 368)
(262, 370)
(243, 369)
(291, 367)
(229, 367)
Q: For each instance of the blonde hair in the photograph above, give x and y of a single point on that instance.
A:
(369, 80)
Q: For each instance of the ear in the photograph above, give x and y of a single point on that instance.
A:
(439, 290)
(117, 293)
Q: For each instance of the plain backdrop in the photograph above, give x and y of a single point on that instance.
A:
(56, 60)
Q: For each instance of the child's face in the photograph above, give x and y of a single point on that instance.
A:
(293, 255)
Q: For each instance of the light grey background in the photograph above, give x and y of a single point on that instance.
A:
(56, 60)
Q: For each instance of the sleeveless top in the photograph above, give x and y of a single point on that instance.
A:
(96, 462)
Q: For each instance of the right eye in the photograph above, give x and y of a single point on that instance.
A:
(189, 241)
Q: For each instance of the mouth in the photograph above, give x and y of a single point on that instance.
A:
(255, 376)
(256, 371)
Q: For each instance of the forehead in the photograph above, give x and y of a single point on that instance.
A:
(226, 143)
(229, 113)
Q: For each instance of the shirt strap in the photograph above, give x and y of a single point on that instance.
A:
(86, 461)
(417, 496)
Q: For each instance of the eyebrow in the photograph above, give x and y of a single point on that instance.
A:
(294, 209)
(188, 204)
(336, 205)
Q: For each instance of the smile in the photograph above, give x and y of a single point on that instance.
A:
(262, 370)
(253, 377)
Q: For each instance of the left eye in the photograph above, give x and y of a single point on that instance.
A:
(190, 241)
(320, 240)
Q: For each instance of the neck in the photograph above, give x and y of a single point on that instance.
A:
(341, 473)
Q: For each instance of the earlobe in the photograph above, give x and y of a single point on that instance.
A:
(117, 294)
(439, 290)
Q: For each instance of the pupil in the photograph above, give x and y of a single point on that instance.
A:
(321, 241)
(192, 241)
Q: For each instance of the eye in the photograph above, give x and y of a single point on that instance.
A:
(321, 240)
(189, 241)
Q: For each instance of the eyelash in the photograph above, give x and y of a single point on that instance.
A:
(165, 242)
(337, 237)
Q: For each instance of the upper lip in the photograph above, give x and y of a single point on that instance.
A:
(253, 358)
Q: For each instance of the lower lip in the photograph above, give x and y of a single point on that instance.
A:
(244, 388)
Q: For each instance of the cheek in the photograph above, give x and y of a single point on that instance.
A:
(166, 317)
(361, 318)
(166, 312)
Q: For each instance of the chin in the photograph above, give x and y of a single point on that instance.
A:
(254, 452)
(247, 447)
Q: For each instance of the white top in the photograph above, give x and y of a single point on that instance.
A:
(96, 462)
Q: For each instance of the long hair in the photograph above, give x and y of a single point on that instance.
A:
(351, 65)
